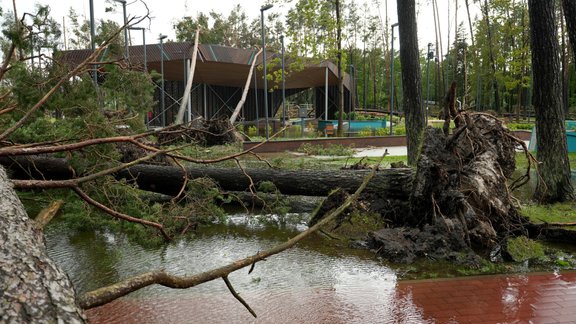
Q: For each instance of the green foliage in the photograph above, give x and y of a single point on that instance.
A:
(252, 131)
(365, 132)
(399, 129)
(344, 115)
(267, 186)
(105, 29)
(296, 129)
(125, 90)
(329, 150)
(521, 126)
(382, 131)
(232, 30)
(555, 213)
(522, 249)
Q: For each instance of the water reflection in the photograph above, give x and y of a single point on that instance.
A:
(312, 282)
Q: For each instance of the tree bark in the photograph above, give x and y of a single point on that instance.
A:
(388, 183)
(569, 7)
(495, 86)
(32, 288)
(340, 76)
(411, 79)
(554, 184)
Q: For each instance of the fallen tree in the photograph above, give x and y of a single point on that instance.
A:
(387, 184)
(460, 197)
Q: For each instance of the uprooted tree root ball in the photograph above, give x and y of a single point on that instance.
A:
(460, 199)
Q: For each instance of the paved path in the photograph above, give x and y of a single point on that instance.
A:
(532, 298)
(392, 151)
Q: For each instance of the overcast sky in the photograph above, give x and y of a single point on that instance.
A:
(165, 12)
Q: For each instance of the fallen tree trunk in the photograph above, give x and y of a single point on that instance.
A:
(387, 184)
(32, 288)
(391, 183)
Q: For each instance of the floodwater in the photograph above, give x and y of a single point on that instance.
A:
(318, 281)
(311, 283)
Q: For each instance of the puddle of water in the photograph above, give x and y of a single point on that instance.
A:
(310, 283)
(318, 281)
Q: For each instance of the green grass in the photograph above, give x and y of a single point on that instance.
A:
(522, 248)
(522, 162)
(329, 150)
(521, 126)
(555, 213)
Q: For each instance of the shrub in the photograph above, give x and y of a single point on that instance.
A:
(400, 130)
(365, 132)
(522, 249)
(382, 131)
(521, 126)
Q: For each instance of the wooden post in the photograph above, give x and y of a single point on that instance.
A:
(186, 96)
(246, 87)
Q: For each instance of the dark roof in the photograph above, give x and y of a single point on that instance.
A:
(215, 64)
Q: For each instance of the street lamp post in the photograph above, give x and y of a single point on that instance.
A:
(392, 80)
(127, 53)
(144, 45)
(161, 38)
(93, 42)
(429, 56)
(262, 9)
(283, 85)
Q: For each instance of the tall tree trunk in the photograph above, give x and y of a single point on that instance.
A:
(495, 87)
(569, 8)
(411, 79)
(32, 288)
(439, 53)
(554, 184)
(340, 76)
(565, 63)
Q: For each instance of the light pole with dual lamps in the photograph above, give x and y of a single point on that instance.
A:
(126, 50)
(162, 105)
(429, 56)
(392, 80)
(93, 42)
(262, 9)
(283, 84)
(144, 45)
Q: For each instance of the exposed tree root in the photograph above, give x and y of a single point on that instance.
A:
(460, 199)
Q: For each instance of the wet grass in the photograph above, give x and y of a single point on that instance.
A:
(522, 161)
(554, 213)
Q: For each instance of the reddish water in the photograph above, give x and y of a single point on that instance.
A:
(534, 298)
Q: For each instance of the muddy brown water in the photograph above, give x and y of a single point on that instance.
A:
(314, 282)
(311, 283)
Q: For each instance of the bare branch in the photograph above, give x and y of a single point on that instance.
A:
(237, 296)
(7, 110)
(4, 68)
